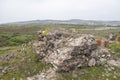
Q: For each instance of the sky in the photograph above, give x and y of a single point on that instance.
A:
(25, 10)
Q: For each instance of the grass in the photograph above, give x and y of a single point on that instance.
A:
(4, 50)
(116, 48)
(13, 39)
(17, 40)
(26, 63)
(90, 73)
(16, 34)
(100, 33)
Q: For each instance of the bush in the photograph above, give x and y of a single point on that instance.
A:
(17, 40)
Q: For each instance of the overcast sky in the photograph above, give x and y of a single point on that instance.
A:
(23, 10)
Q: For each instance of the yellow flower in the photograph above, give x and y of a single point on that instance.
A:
(44, 33)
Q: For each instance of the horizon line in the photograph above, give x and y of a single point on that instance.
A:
(58, 20)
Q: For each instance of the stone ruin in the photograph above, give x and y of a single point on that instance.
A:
(66, 52)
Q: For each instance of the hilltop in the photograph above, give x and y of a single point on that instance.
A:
(23, 56)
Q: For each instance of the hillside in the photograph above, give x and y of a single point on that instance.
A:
(72, 21)
(25, 54)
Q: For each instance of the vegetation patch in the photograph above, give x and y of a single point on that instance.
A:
(23, 65)
(116, 48)
(91, 73)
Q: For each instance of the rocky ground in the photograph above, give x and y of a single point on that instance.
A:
(69, 52)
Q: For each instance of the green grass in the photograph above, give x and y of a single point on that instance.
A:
(16, 34)
(90, 73)
(17, 40)
(13, 39)
(116, 48)
(4, 50)
(100, 33)
(24, 64)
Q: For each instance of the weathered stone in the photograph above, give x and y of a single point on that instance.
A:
(92, 62)
(78, 52)
(14, 79)
(68, 52)
(114, 63)
(45, 75)
(111, 37)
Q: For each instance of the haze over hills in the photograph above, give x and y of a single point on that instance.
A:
(72, 21)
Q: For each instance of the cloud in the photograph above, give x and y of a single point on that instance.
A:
(17, 10)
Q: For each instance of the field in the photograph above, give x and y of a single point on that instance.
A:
(17, 40)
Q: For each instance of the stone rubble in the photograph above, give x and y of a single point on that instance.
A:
(68, 52)
(114, 63)
(45, 75)
(7, 57)
(77, 52)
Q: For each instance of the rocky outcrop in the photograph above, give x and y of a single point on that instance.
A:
(69, 52)
(81, 51)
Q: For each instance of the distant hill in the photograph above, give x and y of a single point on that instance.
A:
(72, 21)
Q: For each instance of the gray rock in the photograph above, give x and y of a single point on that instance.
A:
(67, 52)
(14, 79)
(77, 52)
(114, 63)
(45, 75)
(92, 62)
